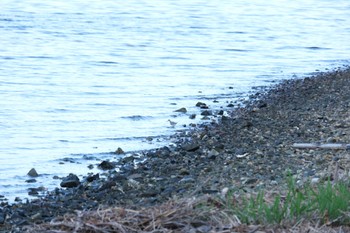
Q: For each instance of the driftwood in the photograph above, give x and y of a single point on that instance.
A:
(334, 146)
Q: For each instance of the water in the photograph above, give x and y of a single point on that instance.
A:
(81, 78)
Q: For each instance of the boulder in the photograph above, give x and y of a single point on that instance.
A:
(70, 181)
(106, 165)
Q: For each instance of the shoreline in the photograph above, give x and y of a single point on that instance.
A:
(248, 151)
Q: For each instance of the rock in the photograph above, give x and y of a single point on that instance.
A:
(2, 217)
(31, 181)
(119, 151)
(184, 172)
(33, 173)
(182, 110)
(129, 159)
(201, 105)
(106, 165)
(262, 105)
(70, 181)
(192, 116)
(190, 147)
(207, 113)
(33, 192)
(93, 177)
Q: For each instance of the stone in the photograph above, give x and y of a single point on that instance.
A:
(191, 147)
(106, 165)
(182, 110)
(2, 218)
(33, 192)
(70, 181)
(93, 177)
(207, 113)
(32, 173)
(119, 151)
(184, 172)
(31, 180)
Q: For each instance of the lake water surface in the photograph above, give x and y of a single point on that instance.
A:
(82, 78)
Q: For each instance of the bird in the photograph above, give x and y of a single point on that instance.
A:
(172, 123)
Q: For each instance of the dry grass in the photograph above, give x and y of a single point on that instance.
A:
(187, 215)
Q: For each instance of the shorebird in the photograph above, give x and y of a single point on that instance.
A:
(172, 123)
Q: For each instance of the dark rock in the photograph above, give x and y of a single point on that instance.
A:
(207, 113)
(184, 172)
(262, 105)
(193, 116)
(107, 185)
(129, 159)
(93, 177)
(31, 181)
(33, 173)
(33, 192)
(190, 147)
(150, 193)
(182, 110)
(70, 181)
(2, 217)
(106, 165)
(119, 151)
(201, 105)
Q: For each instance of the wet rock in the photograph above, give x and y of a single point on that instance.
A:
(33, 192)
(119, 151)
(2, 217)
(106, 165)
(192, 116)
(182, 110)
(70, 181)
(128, 159)
(207, 113)
(31, 180)
(201, 105)
(32, 173)
(93, 177)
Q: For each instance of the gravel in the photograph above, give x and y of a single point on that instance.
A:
(247, 151)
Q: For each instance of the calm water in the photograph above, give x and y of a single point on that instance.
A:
(86, 77)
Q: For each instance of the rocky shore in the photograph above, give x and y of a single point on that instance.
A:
(249, 150)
